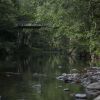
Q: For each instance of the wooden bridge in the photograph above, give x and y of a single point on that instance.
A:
(24, 38)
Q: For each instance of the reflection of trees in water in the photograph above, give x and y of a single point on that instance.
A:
(41, 63)
(23, 63)
(34, 63)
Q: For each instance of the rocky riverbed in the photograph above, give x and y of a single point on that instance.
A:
(89, 79)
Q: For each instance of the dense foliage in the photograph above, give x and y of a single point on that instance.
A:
(73, 25)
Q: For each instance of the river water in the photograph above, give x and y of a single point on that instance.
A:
(33, 77)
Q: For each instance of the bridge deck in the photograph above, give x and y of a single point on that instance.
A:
(25, 24)
(31, 27)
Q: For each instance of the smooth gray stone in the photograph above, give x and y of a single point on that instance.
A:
(80, 96)
(80, 99)
(94, 86)
(97, 98)
(93, 89)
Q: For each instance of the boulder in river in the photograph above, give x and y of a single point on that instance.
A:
(97, 98)
(93, 88)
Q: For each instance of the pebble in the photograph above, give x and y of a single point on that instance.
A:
(60, 86)
(59, 67)
(66, 89)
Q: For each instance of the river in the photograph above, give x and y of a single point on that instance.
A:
(33, 77)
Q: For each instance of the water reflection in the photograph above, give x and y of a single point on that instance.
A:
(33, 77)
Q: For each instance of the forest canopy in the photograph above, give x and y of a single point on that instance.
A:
(73, 24)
